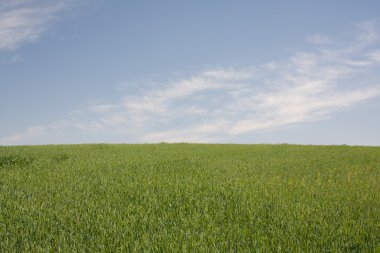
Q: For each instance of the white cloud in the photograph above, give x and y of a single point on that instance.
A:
(222, 103)
(299, 104)
(17, 138)
(374, 56)
(103, 108)
(22, 22)
(319, 39)
(368, 33)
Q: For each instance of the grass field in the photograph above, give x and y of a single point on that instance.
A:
(191, 198)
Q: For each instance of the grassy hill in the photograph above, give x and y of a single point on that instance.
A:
(189, 197)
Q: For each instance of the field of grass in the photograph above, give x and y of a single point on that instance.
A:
(188, 197)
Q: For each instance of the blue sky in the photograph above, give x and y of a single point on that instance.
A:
(77, 71)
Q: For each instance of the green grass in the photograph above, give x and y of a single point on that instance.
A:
(191, 198)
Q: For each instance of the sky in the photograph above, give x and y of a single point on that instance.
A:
(297, 71)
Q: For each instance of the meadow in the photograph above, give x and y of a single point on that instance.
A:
(189, 198)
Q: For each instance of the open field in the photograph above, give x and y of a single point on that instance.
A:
(188, 197)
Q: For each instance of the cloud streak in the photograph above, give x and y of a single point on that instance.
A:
(22, 21)
(219, 104)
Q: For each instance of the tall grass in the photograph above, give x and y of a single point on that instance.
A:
(187, 197)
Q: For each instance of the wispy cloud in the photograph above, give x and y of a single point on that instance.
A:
(24, 21)
(319, 39)
(221, 103)
(18, 138)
